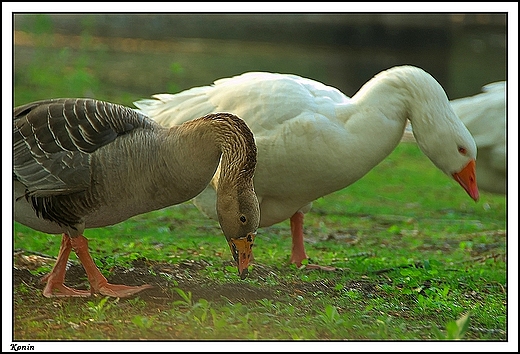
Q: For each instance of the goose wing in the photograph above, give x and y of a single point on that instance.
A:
(254, 96)
(54, 139)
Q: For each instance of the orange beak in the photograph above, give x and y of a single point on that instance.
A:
(468, 180)
(242, 251)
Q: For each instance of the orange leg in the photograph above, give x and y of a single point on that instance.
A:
(98, 283)
(56, 277)
(298, 248)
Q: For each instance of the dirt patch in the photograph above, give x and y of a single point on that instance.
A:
(187, 276)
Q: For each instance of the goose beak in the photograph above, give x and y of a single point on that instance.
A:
(468, 180)
(242, 251)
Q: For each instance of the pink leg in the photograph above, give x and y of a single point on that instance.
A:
(55, 279)
(98, 283)
(298, 248)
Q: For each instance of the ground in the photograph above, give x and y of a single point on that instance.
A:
(163, 277)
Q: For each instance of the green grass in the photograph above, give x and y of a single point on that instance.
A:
(412, 264)
(416, 254)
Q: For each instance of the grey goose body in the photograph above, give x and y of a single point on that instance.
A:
(82, 163)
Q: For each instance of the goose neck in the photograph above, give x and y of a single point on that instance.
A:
(405, 92)
(224, 138)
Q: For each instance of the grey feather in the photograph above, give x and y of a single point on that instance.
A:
(53, 140)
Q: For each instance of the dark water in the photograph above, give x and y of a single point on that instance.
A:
(147, 54)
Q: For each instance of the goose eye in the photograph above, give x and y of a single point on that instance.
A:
(243, 219)
(462, 150)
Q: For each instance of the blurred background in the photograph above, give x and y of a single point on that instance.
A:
(125, 57)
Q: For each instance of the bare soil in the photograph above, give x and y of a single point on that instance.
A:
(186, 276)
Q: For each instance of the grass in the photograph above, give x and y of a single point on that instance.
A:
(413, 264)
(419, 259)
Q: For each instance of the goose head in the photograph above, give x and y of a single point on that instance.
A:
(239, 218)
(454, 152)
(237, 205)
(441, 135)
(408, 92)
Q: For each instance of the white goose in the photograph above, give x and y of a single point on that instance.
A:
(313, 140)
(81, 163)
(485, 117)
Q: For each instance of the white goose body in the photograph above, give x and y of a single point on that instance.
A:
(81, 163)
(484, 115)
(313, 140)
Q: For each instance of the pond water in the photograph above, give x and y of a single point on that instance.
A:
(141, 55)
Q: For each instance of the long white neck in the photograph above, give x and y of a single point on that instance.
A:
(408, 92)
